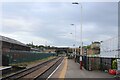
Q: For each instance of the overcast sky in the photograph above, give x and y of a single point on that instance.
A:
(48, 23)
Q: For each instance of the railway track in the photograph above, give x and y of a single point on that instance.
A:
(46, 74)
(41, 71)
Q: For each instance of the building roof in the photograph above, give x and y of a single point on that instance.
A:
(95, 42)
(6, 39)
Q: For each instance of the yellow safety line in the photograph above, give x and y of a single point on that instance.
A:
(63, 71)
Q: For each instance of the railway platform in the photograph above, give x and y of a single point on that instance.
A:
(70, 69)
(59, 67)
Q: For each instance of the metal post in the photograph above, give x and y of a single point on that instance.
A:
(75, 43)
(75, 40)
(81, 40)
(81, 35)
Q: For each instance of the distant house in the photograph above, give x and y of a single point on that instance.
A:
(95, 45)
(8, 44)
(94, 49)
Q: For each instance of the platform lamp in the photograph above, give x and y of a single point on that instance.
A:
(75, 40)
(72, 45)
(76, 3)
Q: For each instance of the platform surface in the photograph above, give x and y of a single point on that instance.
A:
(70, 69)
(73, 71)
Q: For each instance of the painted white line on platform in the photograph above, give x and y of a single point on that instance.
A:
(54, 70)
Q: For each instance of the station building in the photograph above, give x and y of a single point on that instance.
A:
(94, 49)
(8, 44)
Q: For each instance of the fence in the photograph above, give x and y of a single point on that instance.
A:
(14, 57)
(91, 63)
(109, 48)
(96, 63)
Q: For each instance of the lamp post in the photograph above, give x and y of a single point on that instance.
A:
(75, 40)
(81, 34)
(73, 44)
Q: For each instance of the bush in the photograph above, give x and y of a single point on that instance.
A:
(114, 64)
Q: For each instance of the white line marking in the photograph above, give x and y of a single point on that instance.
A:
(54, 70)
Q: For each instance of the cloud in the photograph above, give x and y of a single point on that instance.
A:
(50, 21)
(26, 38)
